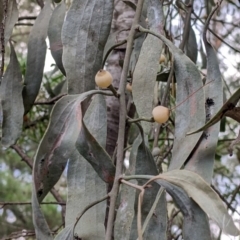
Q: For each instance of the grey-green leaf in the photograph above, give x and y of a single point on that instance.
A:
(227, 106)
(83, 179)
(157, 225)
(145, 73)
(54, 34)
(96, 155)
(189, 113)
(58, 142)
(84, 35)
(36, 57)
(202, 160)
(204, 196)
(41, 228)
(125, 212)
(11, 19)
(191, 46)
(66, 233)
(11, 101)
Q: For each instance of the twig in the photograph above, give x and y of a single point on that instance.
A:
(29, 161)
(122, 122)
(224, 200)
(88, 207)
(217, 36)
(134, 120)
(2, 39)
(186, 25)
(110, 50)
(4, 204)
(50, 101)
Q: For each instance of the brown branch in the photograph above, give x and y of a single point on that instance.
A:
(29, 162)
(4, 204)
(2, 39)
(186, 25)
(50, 101)
(122, 123)
(224, 200)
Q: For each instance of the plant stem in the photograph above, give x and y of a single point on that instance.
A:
(122, 123)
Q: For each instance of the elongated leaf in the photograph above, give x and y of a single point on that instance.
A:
(145, 74)
(11, 19)
(204, 196)
(125, 211)
(191, 47)
(193, 225)
(93, 152)
(84, 184)
(36, 57)
(66, 233)
(54, 34)
(229, 105)
(157, 225)
(202, 160)
(41, 228)
(11, 102)
(84, 35)
(58, 142)
(191, 112)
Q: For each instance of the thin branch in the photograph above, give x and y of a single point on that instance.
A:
(4, 204)
(88, 207)
(186, 25)
(29, 162)
(134, 120)
(122, 122)
(224, 200)
(50, 101)
(217, 36)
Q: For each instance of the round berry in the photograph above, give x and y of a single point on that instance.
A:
(103, 78)
(160, 114)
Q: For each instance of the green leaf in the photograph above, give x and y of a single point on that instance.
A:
(36, 57)
(189, 113)
(145, 73)
(94, 153)
(11, 19)
(54, 34)
(11, 102)
(84, 184)
(84, 35)
(204, 196)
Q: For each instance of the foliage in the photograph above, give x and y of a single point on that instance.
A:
(162, 181)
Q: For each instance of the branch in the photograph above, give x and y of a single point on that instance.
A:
(29, 161)
(122, 122)
(50, 101)
(186, 25)
(4, 204)
(88, 207)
